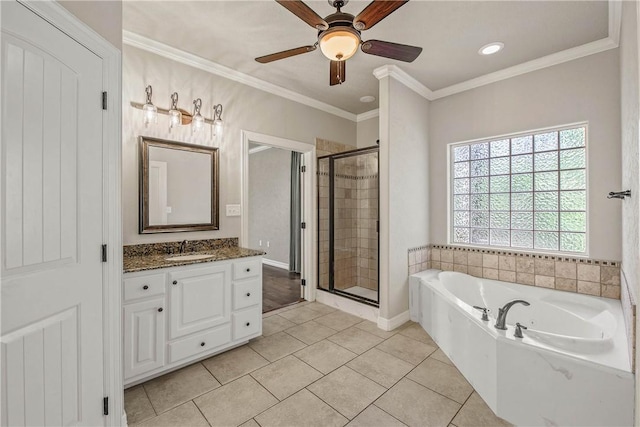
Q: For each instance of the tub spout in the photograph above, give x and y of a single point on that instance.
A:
(502, 313)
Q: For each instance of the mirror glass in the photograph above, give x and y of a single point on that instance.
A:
(179, 187)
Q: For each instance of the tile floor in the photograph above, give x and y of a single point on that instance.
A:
(315, 366)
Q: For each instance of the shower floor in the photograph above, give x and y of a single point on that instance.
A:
(362, 292)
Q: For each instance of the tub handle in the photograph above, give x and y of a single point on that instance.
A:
(485, 310)
(519, 328)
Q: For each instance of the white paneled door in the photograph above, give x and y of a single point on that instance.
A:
(52, 225)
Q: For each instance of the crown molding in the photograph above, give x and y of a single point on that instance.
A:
(174, 54)
(615, 20)
(404, 78)
(259, 148)
(368, 115)
(527, 67)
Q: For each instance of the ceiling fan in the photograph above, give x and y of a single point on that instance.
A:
(339, 35)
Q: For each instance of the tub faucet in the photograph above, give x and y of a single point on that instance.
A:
(502, 313)
(183, 246)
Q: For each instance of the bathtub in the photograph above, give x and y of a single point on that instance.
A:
(571, 368)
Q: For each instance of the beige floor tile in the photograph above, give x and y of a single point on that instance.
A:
(184, 415)
(346, 391)
(235, 363)
(416, 332)
(300, 315)
(286, 376)
(416, 405)
(277, 346)
(338, 320)
(439, 355)
(356, 340)
(310, 332)
(275, 324)
(236, 402)
(443, 378)
(372, 328)
(137, 405)
(381, 367)
(325, 356)
(321, 308)
(280, 310)
(476, 413)
(407, 349)
(374, 417)
(173, 389)
(301, 409)
(250, 423)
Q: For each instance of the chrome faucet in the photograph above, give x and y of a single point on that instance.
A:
(183, 246)
(502, 313)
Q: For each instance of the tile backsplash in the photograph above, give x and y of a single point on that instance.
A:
(584, 276)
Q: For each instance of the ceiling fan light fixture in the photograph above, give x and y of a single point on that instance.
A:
(491, 48)
(339, 43)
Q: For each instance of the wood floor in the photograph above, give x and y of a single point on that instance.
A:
(279, 288)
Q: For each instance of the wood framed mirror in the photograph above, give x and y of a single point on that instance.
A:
(178, 187)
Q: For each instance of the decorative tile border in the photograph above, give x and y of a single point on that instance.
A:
(174, 247)
(585, 276)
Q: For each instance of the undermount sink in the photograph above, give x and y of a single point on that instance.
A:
(189, 257)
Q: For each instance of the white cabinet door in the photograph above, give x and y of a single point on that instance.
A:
(200, 299)
(143, 337)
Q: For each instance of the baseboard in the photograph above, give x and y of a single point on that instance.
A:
(347, 305)
(276, 264)
(394, 322)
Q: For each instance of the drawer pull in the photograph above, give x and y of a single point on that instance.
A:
(175, 282)
(145, 287)
(160, 309)
(202, 344)
(248, 270)
(248, 294)
(248, 323)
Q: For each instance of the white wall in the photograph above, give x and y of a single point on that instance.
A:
(630, 118)
(368, 132)
(245, 108)
(270, 202)
(404, 196)
(104, 17)
(583, 89)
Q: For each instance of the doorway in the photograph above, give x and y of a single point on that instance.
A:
(276, 196)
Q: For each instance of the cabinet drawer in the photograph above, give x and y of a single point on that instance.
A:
(246, 269)
(247, 293)
(203, 342)
(143, 286)
(247, 322)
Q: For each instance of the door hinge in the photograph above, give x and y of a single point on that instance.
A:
(304, 282)
(104, 253)
(303, 169)
(303, 225)
(104, 100)
(105, 406)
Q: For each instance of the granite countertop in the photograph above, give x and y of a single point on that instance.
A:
(153, 261)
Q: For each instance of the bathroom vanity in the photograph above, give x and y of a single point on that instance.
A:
(175, 315)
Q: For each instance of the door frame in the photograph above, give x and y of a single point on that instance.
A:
(308, 202)
(111, 57)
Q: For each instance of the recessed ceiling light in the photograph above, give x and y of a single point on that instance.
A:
(491, 48)
(368, 98)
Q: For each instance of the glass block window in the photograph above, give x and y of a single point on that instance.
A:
(523, 191)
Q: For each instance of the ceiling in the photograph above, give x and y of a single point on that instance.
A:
(233, 33)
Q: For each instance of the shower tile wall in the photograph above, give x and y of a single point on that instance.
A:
(367, 197)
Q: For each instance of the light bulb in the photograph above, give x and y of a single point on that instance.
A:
(175, 116)
(197, 122)
(150, 114)
(218, 128)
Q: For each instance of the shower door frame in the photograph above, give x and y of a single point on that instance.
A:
(331, 261)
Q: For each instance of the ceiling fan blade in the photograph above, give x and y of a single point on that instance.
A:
(305, 13)
(401, 52)
(337, 72)
(375, 12)
(285, 54)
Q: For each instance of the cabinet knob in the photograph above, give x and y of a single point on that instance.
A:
(248, 323)
(160, 309)
(145, 287)
(248, 294)
(202, 344)
(175, 282)
(248, 270)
